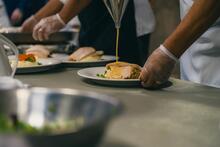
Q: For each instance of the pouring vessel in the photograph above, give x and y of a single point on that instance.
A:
(116, 9)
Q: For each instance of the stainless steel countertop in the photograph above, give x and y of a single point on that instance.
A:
(183, 115)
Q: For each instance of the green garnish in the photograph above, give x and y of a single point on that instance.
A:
(30, 59)
(100, 75)
(8, 126)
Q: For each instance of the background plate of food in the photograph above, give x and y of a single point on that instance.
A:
(114, 74)
(28, 63)
(85, 57)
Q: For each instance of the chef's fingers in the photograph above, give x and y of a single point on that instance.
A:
(147, 77)
(149, 83)
(35, 32)
(40, 33)
(46, 34)
(143, 75)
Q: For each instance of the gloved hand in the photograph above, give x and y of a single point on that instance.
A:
(16, 16)
(29, 24)
(158, 68)
(47, 26)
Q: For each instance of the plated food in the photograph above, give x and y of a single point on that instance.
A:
(25, 60)
(84, 57)
(28, 63)
(114, 74)
(86, 54)
(39, 51)
(121, 70)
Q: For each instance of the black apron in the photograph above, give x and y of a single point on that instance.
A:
(98, 31)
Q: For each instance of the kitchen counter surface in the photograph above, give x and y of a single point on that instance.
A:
(183, 115)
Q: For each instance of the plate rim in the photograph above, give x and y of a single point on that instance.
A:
(89, 62)
(103, 79)
(113, 58)
(58, 62)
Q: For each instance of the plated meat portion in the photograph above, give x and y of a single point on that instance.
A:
(86, 54)
(122, 70)
(38, 51)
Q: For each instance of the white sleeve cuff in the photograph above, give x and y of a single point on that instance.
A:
(64, 1)
(60, 19)
(168, 53)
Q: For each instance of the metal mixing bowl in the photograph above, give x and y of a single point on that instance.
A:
(39, 107)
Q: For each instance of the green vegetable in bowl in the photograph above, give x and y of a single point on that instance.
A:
(9, 125)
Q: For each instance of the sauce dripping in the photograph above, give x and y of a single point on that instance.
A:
(117, 43)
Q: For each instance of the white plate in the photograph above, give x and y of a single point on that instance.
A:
(64, 58)
(46, 64)
(91, 75)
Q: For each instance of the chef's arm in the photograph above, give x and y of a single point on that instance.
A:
(72, 8)
(52, 7)
(199, 18)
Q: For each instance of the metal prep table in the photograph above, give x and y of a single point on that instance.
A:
(183, 115)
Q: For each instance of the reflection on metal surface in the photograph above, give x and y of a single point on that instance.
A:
(5, 68)
(85, 115)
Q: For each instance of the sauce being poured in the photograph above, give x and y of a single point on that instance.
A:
(117, 43)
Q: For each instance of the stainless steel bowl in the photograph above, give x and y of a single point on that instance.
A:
(39, 107)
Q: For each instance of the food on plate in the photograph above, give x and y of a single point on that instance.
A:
(121, 70)
(86, 54)
(27, 57)
(38, 51)
(26, 60)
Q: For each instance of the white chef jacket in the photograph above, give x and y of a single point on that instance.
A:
(4, 21)
(201, 62)
(145, 20)
(144, 17)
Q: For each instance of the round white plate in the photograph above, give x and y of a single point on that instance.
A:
(46, 64)
(91, 75)
(64, 58)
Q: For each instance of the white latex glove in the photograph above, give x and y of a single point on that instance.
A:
(47, 26)
(158, 68)
(29, 24)
(16, 16)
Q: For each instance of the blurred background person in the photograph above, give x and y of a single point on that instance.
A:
(19, 10)
(4, 21)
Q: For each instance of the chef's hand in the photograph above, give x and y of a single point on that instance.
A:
(47, 26)
(29, 24)
(158, 68)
